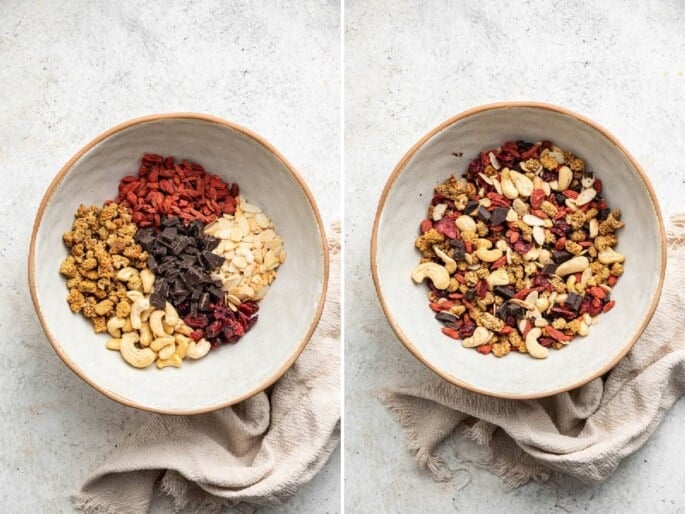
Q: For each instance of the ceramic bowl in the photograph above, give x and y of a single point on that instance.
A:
(288, 314)
(403, 205)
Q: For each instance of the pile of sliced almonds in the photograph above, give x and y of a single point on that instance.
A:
(252, 249)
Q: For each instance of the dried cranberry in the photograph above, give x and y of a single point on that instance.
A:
(199, 321)
(196, 335)
(521, 247)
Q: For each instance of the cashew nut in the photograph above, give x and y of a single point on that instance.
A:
(182, 343)
(148, 279)
(574, 265)
(583, 329)
(126, 274)
(160, 342)
(145, 315)
(156, 323)
(480, 336)
(499, 277)
(134, 295)
(542, 303)
(609, 256)
(137, 309)
(465, 223)
(450, 263)
(438, 274)
(145, 334)
(174, 361)
(136, 357)
(114, 326)
(534, 348)
(197, 350)
(488, 255)
(167, 351)
(182, 328)
(113, 344)
(170, 314)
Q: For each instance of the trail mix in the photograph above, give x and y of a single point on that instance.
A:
(172, 267)
(520, 251)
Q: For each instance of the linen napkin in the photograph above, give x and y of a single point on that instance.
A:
(584, 433)
(260, 451)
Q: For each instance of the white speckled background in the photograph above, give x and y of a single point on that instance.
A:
(70, 70)
(408, 66)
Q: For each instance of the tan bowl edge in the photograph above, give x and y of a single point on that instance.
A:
(400, 167)
(145, 119)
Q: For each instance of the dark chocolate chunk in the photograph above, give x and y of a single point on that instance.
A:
(484, 214)
(216, 292)
(204, 302)
(603, 214)
(157, 300)
(151, 263)
(560, 256)
(471, 206)
(180, 244)
(144, 237)
(172, 221)
(499, 214)
(561, 199)
(446, 316)
(550, 269)
(470, 295)
(209, 243)
(459, 249)
(505, 292)
(573, 301)
(213, 259)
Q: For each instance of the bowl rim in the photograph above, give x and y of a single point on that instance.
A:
(179, 116)
(400, 167)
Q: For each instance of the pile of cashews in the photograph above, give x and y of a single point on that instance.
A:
(149, 335)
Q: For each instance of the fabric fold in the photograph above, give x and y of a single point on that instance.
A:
(258, 452)
(585, 432)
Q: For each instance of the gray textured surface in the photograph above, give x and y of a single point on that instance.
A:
(409, 66)
(70, 70)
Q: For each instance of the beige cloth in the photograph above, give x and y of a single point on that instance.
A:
(584, 433)
(260, 451)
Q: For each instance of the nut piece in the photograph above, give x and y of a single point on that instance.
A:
(156, 323)
(565, 178)
(499, 277)
(534, 348)
(148, 279)
(174, 361)
(488, 255)
(465, 223)
(199, 349)
(585, 196)
(139, 306)
(574, 265)
(438, 274)
(523, 184)
(609, 256)
(114, 326)
(480, 336)
(138, 358)
(113, 344)
(126, 274)
(450, 263)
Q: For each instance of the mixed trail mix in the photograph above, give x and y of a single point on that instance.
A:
(520, 251)
(174, 266)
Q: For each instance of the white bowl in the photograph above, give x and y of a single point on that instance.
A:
(403, 205)
(288, 314)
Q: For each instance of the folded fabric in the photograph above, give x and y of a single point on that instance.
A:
(584, 433)
(258, 452)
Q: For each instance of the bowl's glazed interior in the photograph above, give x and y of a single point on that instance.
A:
(287, 314)
(404, 205)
